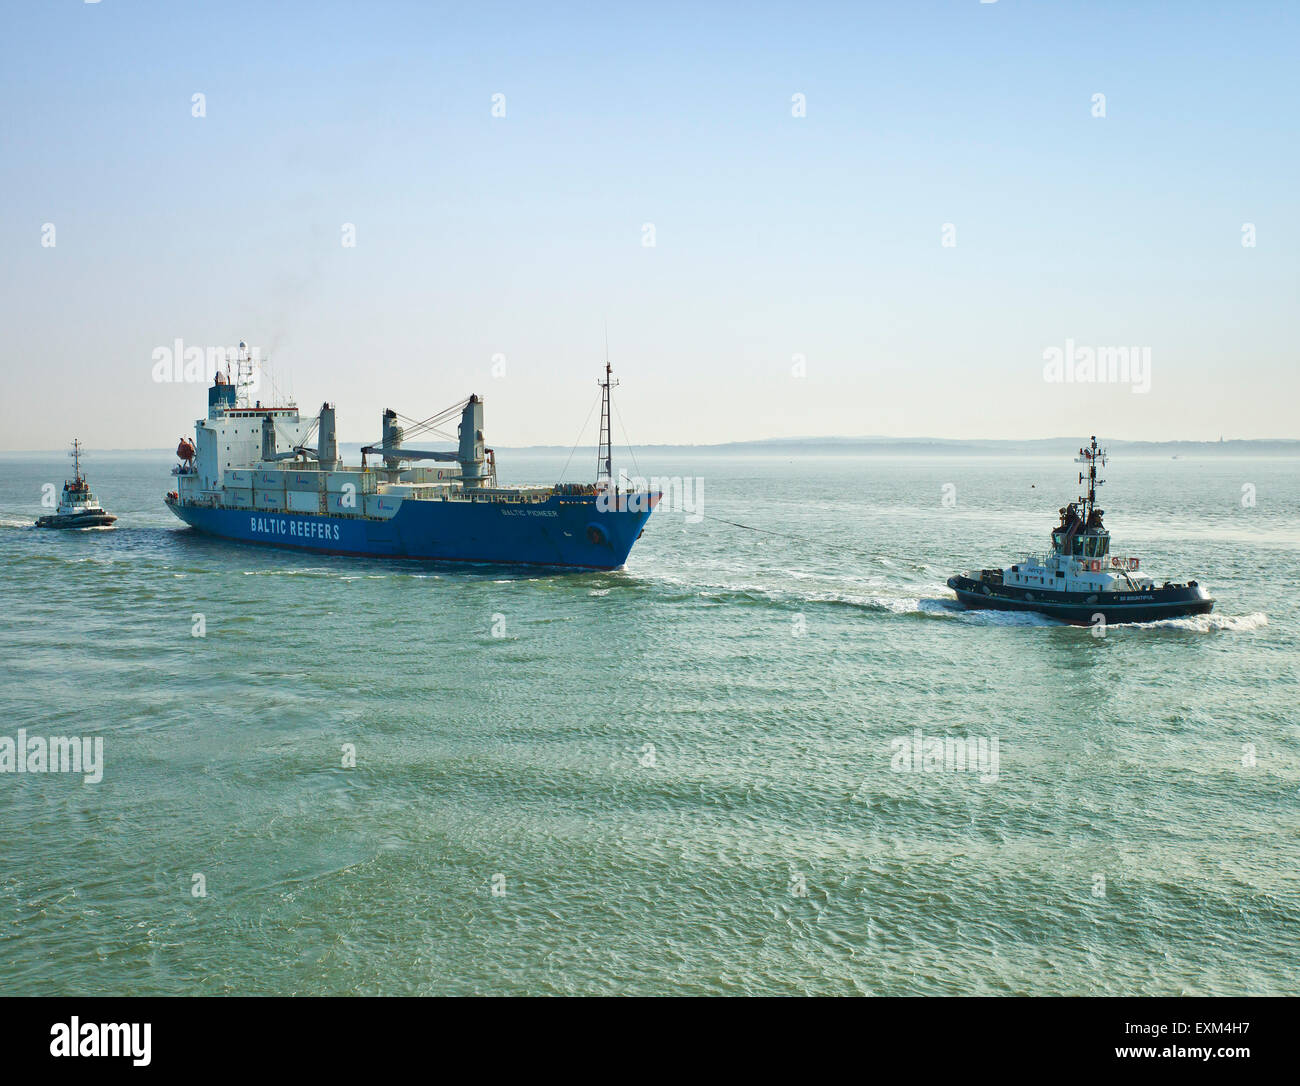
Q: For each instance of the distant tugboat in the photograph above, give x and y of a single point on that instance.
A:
(78, 507)
(1080, 579)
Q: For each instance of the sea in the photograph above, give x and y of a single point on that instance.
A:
(714, 771)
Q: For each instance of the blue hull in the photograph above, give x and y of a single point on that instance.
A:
(558, 532)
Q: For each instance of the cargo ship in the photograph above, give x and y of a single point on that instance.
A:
(267, 474)
(1079, 580)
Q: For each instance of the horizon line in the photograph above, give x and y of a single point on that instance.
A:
(805, 441)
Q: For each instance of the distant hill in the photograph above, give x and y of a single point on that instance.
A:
(1050, 446)
(921, 446)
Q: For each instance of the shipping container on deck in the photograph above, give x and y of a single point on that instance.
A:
(382, 505)
(430, 475)
(302, 502)
(364, 481)
(345, 504)
(303, 481)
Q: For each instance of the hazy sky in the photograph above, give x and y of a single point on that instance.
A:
(781, 242)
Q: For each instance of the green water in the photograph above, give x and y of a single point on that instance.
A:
(671, 779)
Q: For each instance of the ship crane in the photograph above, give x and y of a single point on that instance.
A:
(477, 465)
(391, 448)
(403, 453)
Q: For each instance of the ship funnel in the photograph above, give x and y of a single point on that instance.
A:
(268, 438)
(392, 439)
(328, 440)
(472, 468)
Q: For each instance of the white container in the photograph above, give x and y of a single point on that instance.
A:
(382, 505)
(364, 481)
(345, 504)
(268, 499)
(303, 481)
(240, 478)
(238, 497)
(302, 502)
(430, 475)
(269, 480)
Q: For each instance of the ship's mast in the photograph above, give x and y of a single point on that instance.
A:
(76, 461)
(245, 377)
(604, 451)
(1095, 455)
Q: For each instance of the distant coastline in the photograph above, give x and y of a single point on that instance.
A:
(1050, 446)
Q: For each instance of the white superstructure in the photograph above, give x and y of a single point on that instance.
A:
(250, 455)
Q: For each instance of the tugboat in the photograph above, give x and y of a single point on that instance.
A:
(1079, 580)
(78, 507)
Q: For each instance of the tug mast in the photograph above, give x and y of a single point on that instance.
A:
(1093, 455)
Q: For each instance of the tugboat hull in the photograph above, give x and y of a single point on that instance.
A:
(86, 520)
(1176, 601)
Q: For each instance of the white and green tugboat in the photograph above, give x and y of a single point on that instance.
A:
(1079, 580)
(78, 507)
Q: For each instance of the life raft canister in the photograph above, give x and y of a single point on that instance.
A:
(1096, 565)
